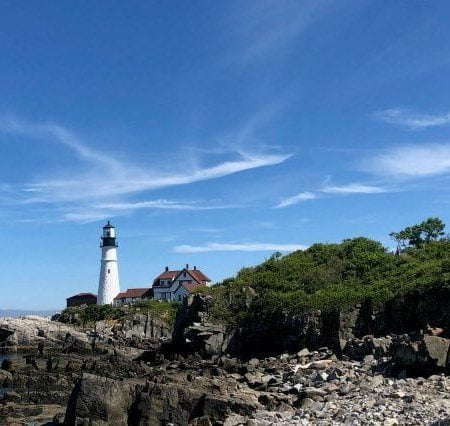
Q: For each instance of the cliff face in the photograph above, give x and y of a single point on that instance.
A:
(280, 333)
(140, 330)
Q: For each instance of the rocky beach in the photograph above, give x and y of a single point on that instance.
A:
(144, 371)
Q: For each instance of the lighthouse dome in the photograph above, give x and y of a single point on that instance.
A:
(109, 231)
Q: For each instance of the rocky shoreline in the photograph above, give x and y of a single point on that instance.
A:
(132, 372)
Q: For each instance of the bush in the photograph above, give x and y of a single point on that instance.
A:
(161, 309)
(93, 313)
(332, 276)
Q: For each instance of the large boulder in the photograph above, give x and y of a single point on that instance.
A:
(99, 401)
(357, 349)
(208, 339)
(437, 349)
(425, 352)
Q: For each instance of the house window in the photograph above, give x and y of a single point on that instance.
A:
(180, 297)
(184, 274)
(109, 270)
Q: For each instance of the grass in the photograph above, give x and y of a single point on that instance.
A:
(165, 311)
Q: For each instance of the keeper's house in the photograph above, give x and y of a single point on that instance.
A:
(176, 285)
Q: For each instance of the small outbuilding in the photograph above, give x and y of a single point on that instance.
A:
(81, 299)
(133, 295)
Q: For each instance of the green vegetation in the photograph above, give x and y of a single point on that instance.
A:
(330, 276)
(85, 315)
(431, 229)
(89, 314)
(166, 311)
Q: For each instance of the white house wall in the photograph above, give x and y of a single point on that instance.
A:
(172, 289)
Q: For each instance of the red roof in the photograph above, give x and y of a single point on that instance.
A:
(132, 292)
(167, 275)
(190, 287)
(83, 295)
(198, 275)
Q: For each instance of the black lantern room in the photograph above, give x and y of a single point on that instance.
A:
(109, 236)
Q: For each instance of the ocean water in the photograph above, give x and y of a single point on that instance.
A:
(14, 313)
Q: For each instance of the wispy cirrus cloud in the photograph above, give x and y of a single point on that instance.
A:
(347, 189)
(410, 119)
(354, 188)
(161, 204)
(296, 199)
(85, 216)
(268, 27)
(411, 161)
(104, 182)
(210, 247)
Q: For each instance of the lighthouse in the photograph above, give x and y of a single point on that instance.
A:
(108, 286)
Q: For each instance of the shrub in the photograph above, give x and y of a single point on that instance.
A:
(93, 313)
(161, 309)
(332, 276)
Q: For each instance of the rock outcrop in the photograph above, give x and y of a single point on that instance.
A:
(423, 352)
(23, 334)
(110, 402)
(266, 335)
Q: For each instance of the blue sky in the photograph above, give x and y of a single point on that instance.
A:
(212, 133)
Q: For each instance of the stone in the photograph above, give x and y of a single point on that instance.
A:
(306, 403)
(200, 421)
(303, 353)
(368, 359)
(5, 378)
(235, 420)
(254, 362)
(437, 348)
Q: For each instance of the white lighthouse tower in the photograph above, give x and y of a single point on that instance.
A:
(108, 286)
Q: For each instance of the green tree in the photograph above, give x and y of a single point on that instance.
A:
(431, 229)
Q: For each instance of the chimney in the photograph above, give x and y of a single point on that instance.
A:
(187, 266)
(167, 268)
(195, 268)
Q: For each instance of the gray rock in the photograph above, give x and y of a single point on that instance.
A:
(303, 353)
(5, 378)
(437, 348)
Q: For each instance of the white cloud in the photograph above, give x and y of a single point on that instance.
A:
(86, 216)
(159, 204)
(209, 247)
(131, 179)
(351, 188)
(354, 188)
(404, 117)
(109, 177)
(268, 27)
(411, 161)
(299, 198)
(11, 124)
